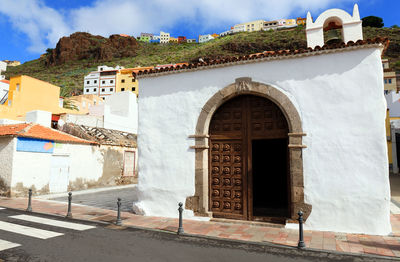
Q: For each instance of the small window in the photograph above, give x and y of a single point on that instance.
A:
(385, 81)
(103, 97)
(9, 102)
(111, 89)
(94, 90)
(17, 87)
(87, 82)
(103, 82)
(95, 81)
(103, 90)
(123, 81)
(133, 80)
(101, 69)
(122, 89)
(111, 81)
(87, 90)
(133, 89)
(390, 80)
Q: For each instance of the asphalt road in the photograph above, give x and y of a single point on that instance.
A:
(105, 199)
(112, 243)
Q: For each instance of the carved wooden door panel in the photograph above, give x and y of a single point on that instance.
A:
(227, 191)
(266, 120)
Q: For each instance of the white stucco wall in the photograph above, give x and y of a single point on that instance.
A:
(341, 103)
(121, 112)
(33, 169)
(86, 120)
(39, 117)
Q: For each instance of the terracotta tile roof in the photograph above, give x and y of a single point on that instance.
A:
(40, 132)
(5, 81)
(267, 55)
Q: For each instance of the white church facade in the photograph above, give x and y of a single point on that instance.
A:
(263, 136)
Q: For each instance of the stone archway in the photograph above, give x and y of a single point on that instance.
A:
(199, 203)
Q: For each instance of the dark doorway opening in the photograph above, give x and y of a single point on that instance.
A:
(270, 177)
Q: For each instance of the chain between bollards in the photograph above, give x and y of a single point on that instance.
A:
(180, 228)
(69, 213)
(29, 209)
(301, 243)
(119, 221)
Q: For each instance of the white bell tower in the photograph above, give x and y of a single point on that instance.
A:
(351, 26)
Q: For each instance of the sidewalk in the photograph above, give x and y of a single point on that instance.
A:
(342, 242)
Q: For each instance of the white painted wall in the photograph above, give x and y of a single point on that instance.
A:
(342, 108)
(393, 103)
(5, 121)
(86, 120)
(34, 168)
(39, 117)
(121, 112)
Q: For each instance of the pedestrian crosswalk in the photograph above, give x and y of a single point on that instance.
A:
(31, 231)
(52, 222)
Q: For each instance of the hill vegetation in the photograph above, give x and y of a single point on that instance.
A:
(69, 73)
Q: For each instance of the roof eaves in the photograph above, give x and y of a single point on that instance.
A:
(266, 56)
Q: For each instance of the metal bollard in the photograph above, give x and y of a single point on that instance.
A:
(301, 243)
(119, 221)
(69, 213)
(180, 228)
(29, 209)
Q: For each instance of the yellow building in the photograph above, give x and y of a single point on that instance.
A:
(126, 81)
(256, 25)
(215, 35)
(29, 94)
(291, 22)
(84, 102)
(173, 39)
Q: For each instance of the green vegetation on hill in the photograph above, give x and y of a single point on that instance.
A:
(69, 76)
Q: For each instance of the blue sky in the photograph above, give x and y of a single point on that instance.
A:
(29, 27)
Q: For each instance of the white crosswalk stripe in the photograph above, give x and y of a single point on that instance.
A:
(51, 222)
(7, 245)
(28, 231)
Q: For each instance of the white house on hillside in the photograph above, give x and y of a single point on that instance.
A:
(205, 38)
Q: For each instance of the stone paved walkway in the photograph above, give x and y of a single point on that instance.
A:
(353, 243)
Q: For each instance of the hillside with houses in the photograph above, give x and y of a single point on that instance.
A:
(69, 73)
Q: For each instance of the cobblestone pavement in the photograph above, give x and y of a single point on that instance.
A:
(329, 241)
(105, 199)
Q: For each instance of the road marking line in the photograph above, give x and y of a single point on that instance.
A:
(28, 231)
(51, 222)
(7, 245)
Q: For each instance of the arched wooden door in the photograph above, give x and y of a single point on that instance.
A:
(248, 160)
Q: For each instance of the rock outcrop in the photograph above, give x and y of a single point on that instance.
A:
(79, 46)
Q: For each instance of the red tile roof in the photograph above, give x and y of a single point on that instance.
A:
(40, 132)
(5, 81)
(266, 54)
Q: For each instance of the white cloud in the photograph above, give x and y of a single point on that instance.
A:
(44, 25)
(41, 24)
